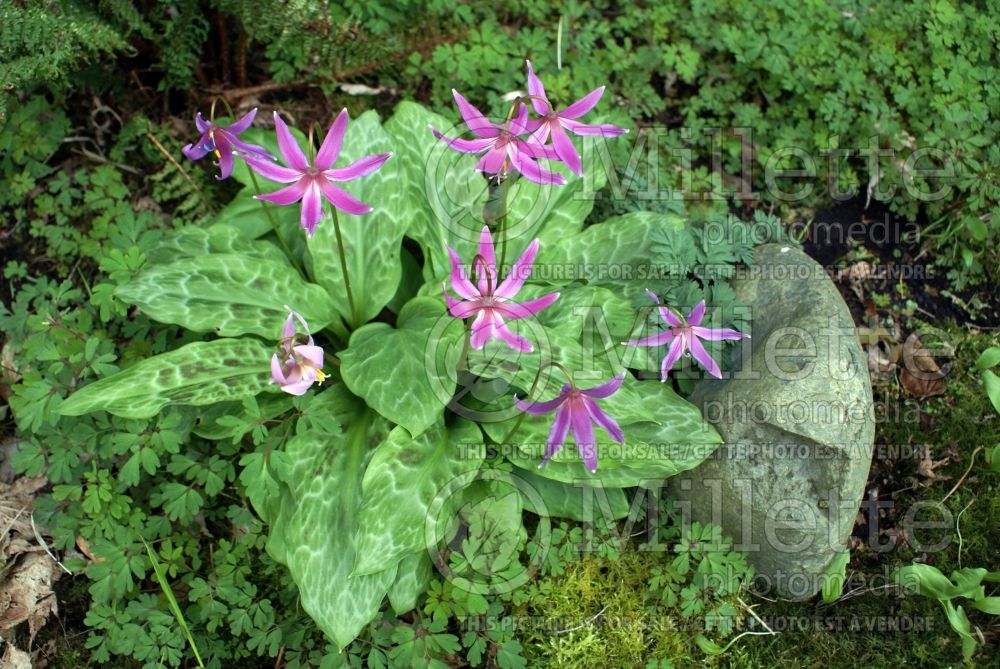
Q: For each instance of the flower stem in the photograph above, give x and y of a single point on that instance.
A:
(274, 226)
(343, 268)
(502, 225)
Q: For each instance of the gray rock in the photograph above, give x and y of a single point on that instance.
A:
(797, 416)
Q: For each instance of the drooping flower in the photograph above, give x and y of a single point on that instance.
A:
(577, 409)
(505, 151)
(312, 183)
(491, 301)
(684, 334)
(298, 362)
(222, 141)
(554, 123)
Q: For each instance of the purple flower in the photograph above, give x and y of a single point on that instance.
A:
(298, 362)
(505, 152)
(221, 140)
(683, 335)
(577, 408)
(313, 183)
(491, 301)
(554, 123)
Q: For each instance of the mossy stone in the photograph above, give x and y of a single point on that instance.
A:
(797, 416)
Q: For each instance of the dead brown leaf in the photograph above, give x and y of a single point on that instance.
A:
(921, 376)
(927, 466)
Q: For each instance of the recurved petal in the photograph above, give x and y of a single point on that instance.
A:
(658, 339)
(201, 123)
(605, 389)
(565, 150)
(609, 424)
(583, 432)
(459, 279)
(486, 276)
(478, 124)
(519, 272)
(673, 355)
(583, 105)
(329, 150)
(248, 148)
(538, 408)
(515, 341)
(196, 151)
(516, 310)
(694, 318)
(704, 359)
(492, 161)
(465, 145)
(312, 353)
(587, 130)
(482, 329)
(225, 151)
(272, 171)
(536, 89)
(244, 123)
(557, 434)
(341, 199)
(287, 195)
(359, 168)
(290, 149)
(718, 334)
(312, 208)
(532, 171)
(461, 308)
(277, 373)
(519, 124)
(299, 387)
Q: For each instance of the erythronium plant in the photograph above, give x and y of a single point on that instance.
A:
(222, 141)
(347, 474)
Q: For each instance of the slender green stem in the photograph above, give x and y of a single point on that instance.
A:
(274, 226)
(343, 268)
(502, 225)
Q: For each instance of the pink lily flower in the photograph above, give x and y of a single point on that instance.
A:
(577, 408)
(554, 123)
(313, 183)
(298, 363)
(505, 151)
(684, 335)
(491, 300)
(221, 140)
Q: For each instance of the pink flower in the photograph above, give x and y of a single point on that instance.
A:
(298, 363)
(505, 152)
(221, 140)
(578, 409)
(554, 123)
(313, 183)
(684, 335)
(491, 300)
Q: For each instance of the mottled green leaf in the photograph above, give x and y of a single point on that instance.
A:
(412, 577)
(565, 500)
(197, 374)
(403, 372)
(403, 478)
(372, 241)
(229, 294)
(318, 514)
(193, 241)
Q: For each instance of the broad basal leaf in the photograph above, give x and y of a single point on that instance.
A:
(313, 531)
(547, 497)
(229, 294)
(403, 372)
(403, 478)
(193, 241)
(371, 241)
(198, 374)
(412, 577)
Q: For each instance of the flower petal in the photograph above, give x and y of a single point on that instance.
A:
(565, 150)
(341, 199)
(461, 308)
(515, 341)
(532, 171)
(288, 331)
(277, 373)
(246, 147)
(538, 408)
(225, 151)
(516, 310)
(196, 151)
(673, 355)
(482, 329)
(583, 105)
(478, 124)
(704, 359)
(312, 207)
(299, 387)
(519, 124)
(201, 123)
(287, 195)
(587, 130)
(718, 334)
(605, 389)
(465, 145)
(312, 353)
(609, 424)
(583, 433)
(492, 161)
(290, 149)
(557, 434)
(329, 150)
(658, 339)
(536, 88)
(244, 123)
(695, 315)
(272, 171)
(359, 168)
(459, 279)
(519, 272)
